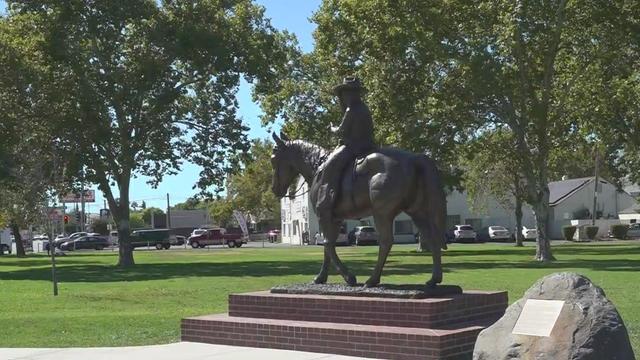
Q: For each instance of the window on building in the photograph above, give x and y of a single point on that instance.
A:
(403, 227)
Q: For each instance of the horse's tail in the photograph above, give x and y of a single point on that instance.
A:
(433, 202)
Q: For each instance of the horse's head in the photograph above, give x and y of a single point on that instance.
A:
(283, 170)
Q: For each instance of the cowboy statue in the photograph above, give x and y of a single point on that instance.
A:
(359, 179)
(356, 140)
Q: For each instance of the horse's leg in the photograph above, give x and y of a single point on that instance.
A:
(321, 278)
(436, 271)
(427, 235)
(384, 226)
(332, 232)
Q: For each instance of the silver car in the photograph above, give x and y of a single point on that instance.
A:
(366, 235)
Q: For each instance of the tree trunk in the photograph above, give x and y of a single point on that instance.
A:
(16, 234)
(519, 236)
(543, 246)
(125, 251)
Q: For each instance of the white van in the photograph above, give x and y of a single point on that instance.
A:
(5, 240)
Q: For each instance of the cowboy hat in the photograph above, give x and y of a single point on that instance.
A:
(349, 83)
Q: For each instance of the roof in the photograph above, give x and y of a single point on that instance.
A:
(560, 190)
(633, 209)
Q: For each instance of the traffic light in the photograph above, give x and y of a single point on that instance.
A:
(78, 217)
(66, 219)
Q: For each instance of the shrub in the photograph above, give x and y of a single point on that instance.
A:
(619, 231)
(568, 232)
(591, 231)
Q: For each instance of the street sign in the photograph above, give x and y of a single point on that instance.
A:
(89, 197)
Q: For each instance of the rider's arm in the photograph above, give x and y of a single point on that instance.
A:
(345, 126)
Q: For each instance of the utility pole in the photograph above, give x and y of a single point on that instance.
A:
(595, 189)
(82, 220)
(168, 213)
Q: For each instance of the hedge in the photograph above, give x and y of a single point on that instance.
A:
(568, 232)
(619, 231)
(591, 231)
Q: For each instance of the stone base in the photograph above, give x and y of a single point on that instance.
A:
(384, 328)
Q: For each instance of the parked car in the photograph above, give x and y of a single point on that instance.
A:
(60, 240)
(494, 233)
(158, 238)
(634, 231)
(217, 237)
(177, 240)
(273, 235)
(366, 235)
(343, 238)
(85, 242)
(529, 233)
(198, 232)
(41, 237)
(461, 233)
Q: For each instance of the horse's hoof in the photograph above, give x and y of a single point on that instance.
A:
(320, 280)
(431, 284)
(351, 280)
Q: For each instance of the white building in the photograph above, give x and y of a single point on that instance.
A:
(569, 199)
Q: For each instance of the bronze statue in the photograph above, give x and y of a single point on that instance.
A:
(356, 131)
(384, 183)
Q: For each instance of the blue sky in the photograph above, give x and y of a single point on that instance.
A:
(292, 15)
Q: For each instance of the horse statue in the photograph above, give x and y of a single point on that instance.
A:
(381, 185)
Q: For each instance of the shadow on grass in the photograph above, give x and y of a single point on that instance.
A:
(508, 250)
(158, 271)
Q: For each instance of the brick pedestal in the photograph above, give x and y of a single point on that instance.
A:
(436, 328)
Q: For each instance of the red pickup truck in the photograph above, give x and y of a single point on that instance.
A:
(217, 237)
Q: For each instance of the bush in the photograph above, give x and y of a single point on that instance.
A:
(619, 231)
(591, 231)
(568, 232)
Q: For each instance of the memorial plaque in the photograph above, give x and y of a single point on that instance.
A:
(538, 317)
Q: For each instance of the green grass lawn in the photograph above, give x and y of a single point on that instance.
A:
(101, 305)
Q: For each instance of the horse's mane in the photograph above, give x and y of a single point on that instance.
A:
(315, 153)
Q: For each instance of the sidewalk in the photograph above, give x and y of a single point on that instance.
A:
(177, 351)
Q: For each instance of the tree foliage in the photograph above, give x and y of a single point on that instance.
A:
(149, 212)
(442, 73)
(249, 189)
(401, 50)
(150, 84)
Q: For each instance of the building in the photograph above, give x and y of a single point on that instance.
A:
(189, 218)
(630, 215)
(570, 199)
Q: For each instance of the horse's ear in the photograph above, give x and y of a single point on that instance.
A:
(278, 141)
(284, 136)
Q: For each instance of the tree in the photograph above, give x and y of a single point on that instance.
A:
(524, 63)
(401, 50)
(249, 189)
(149, 213)
(100, 226)
(152, 84)
(191, 203)
(221, 211)
(31, 172)
(135, 206)
(492, 172)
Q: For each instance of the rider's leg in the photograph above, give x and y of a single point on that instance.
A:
(330, 180)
